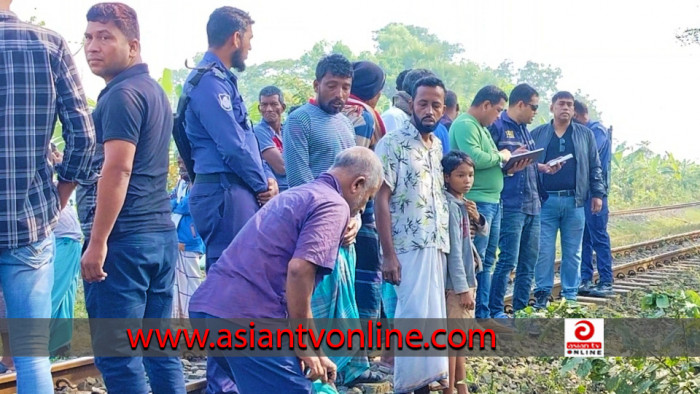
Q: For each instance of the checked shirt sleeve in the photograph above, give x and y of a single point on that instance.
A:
(78, 129)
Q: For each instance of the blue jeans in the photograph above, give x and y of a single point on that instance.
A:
(260, 374)
(26, 277)
(486, 247)
(595, 237)
(560, 215)
(141, 269)
(519, 245)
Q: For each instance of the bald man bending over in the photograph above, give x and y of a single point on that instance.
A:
(259, 276)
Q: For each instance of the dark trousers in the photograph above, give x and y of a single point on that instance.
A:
(595, 237)
(141, 272)
(219, 211)
(259, 374)
(368, 274)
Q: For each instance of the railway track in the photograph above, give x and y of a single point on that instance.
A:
(628, 275)
(625, 251)
(68, 374)
(639, 211)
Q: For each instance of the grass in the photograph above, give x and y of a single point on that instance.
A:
(626, 230)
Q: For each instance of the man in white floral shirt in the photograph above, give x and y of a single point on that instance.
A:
(412, 220)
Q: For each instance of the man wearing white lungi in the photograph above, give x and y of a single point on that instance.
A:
(412, 220)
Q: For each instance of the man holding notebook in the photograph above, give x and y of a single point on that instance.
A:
(567, 190)
(521, 201)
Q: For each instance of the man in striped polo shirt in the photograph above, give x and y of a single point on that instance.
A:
(313, 135)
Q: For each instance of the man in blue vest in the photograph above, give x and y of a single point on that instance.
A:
(595, 235)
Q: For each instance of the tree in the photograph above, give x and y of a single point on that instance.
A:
(689, 36)
(541, 77)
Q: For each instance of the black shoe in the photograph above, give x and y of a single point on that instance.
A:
(541, 299)
(585, 288)
(602, 290)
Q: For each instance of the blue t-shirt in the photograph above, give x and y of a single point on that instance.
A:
(134, 108)
(268, 139)
(444, 136)
(186, 231)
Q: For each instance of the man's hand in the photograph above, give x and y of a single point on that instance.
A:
(92, 262)
(472, 211)
(331, 369)
(519, 166)
(272, 190)
(391, 269)
(56, 157)
(547, 169)
(351, 232)
(596, 205)
(505, 155)
(466, 300)
(312, 368)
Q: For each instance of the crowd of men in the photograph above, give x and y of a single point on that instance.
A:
(337, 212)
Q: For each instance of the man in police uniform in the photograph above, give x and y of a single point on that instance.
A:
(231, 182)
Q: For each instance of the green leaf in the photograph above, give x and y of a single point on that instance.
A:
(584, 369)
(662, 301)
(645, 385)
(693, 297)
(569, 364)
(166, 81)
(612, 383)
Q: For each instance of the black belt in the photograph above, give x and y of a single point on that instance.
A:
(218, 177)
(560, 193)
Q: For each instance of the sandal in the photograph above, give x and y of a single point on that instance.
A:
(368, 377)
(5, 369)
(439, 385)
(382, 367)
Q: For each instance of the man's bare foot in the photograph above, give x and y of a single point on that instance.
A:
(7, 364)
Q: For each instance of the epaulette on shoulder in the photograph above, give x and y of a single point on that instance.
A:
(218, 73)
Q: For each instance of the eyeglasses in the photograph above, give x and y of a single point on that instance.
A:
(562, 145)
(533, 107)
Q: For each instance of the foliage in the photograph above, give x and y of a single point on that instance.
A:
(689, 36)
(636, 375)
(642, 178)
(646, 374)
(676, 305)
(398, 47)
(556, 310)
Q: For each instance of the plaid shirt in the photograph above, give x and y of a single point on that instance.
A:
(38, 83)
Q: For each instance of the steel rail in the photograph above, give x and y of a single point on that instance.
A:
(638, 211)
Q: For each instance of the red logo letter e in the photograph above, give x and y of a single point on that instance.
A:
(581, 333)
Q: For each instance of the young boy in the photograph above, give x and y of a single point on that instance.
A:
(462, 262)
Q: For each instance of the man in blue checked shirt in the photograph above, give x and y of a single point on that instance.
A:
(40, 83)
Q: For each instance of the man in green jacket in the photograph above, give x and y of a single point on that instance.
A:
(469, 134)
